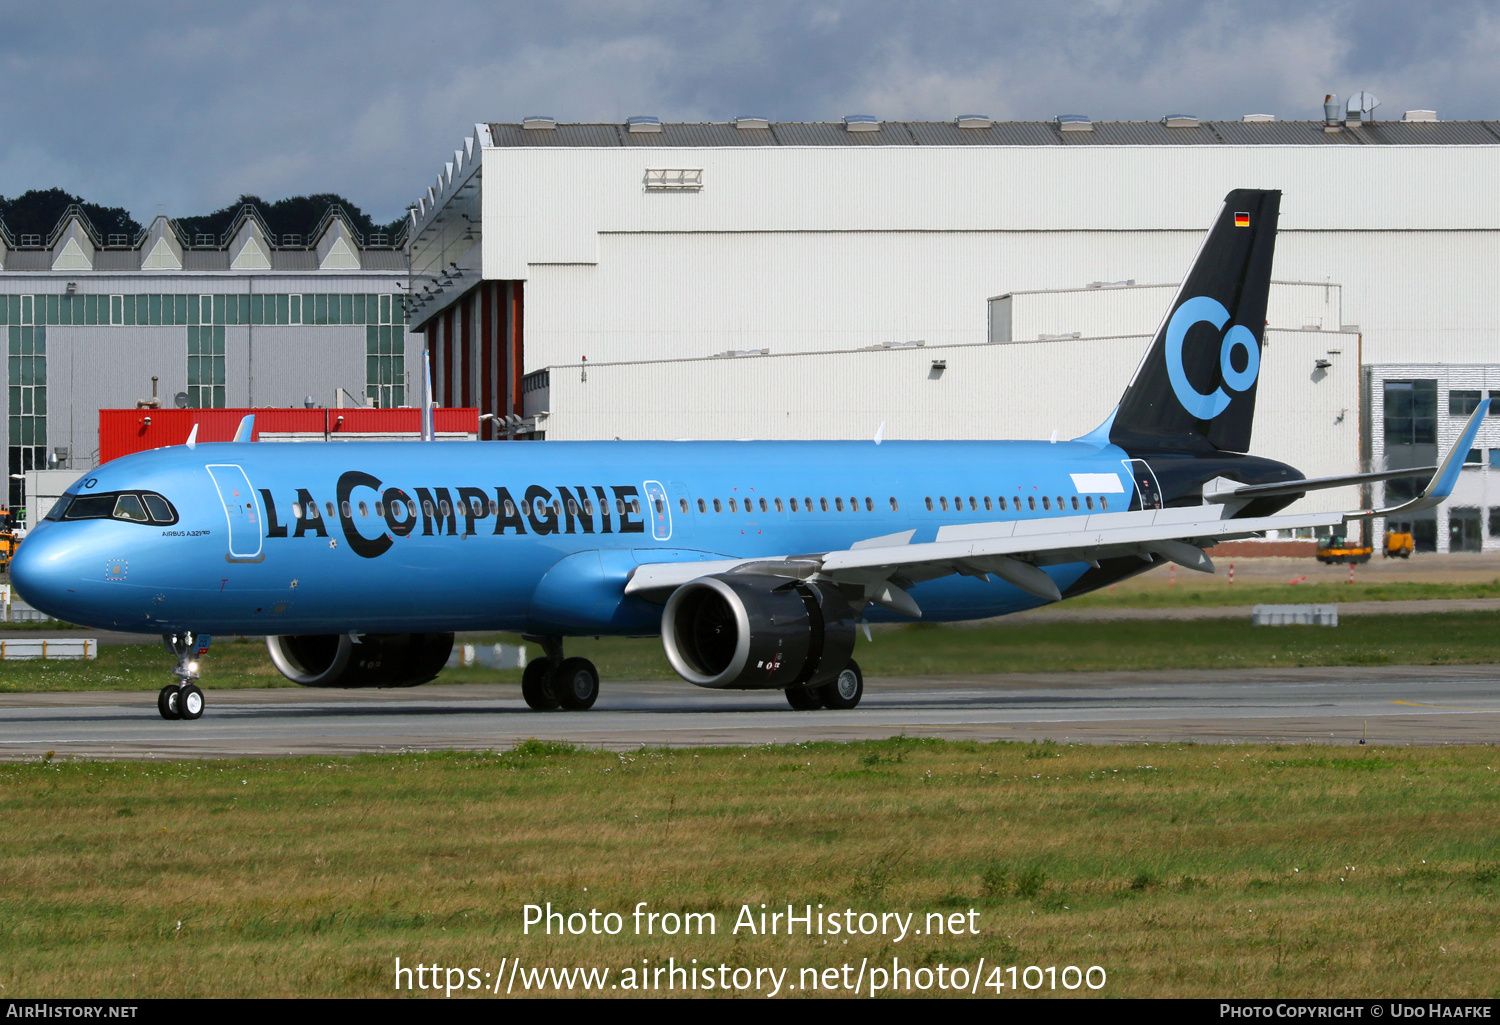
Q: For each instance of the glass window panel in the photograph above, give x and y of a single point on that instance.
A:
(129, 507)
(160, 510)
(281, 308)
(385, 309)
(219, 340)
(358, 305)
(26, 309)
(52, 313)
(40, 400)
(296, 308)
(346, 309)
(218, 309)
(257, 309)
(372, 340)
(15, 403)
(320, 308)
(5, 308)
(27, 397)
(65, 310)
(127, 306)
(28, 430)
(372, 371)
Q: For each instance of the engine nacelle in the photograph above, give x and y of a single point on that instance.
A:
(375, 660)
(749, 631)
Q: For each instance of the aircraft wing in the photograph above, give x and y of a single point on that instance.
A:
(881, 569)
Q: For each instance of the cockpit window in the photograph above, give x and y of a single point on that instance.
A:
(131, 506)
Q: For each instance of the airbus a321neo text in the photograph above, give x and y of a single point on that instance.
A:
(755, 561)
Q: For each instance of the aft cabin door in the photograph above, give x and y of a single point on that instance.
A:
(239, 508)
(1146, 487)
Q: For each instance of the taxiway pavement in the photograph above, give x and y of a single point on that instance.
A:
(1339, 705)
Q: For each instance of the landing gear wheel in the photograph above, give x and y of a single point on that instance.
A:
(166, 701)
(845, 691)
(536, 685)
(576, 684)
(190, 702)
(805, 699)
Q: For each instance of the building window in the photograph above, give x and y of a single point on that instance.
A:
(385, 366)
(28, 405)
(206, 366)
(1462, 403)
(1410, 413)
(1495, 521)
(1463, 530)
(1474, 458)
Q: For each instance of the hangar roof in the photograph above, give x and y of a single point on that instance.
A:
(1004, 133)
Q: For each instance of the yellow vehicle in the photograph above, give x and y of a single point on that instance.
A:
(1343, 549)
(1399, 544)
(8, 540)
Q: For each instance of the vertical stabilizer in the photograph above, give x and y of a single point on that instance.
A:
(1195, 389)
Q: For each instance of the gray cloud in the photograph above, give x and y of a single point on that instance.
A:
(186, 105)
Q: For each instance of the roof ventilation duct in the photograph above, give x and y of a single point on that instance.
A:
(1420, 115)
(747, 124)
(1180, 121)
(973, 121)
(539, 123)
(1074, 123)
(1331, 112)
(861, 123)
(1361, 109)
(1259, 117)
(643, 123)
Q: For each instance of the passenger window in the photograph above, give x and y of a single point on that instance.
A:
(987, 503)
(329, 507)
(129, 507)
(1075, 502)
(494, 507)
(296, 511)
(958, 503)
(344, 508)
(635, 506)
(718, 506)
(763, 507)
(661, 507)
(445, 508)
(869, 504)
(1031, 502)
(1002, 503)
(1103, 502)
(943, 501)
(572, 507)
(794, 504)
(732, 507)
(702, 507)
(525, 508)
(1088, 500)
(897, 508)
(929, 503)
(1046, 503)
(853, 504)
(973, 505)
(806, 504)
(588, 506)
(778, 506)
(510, 509)
(620, 506)
(557, 507)
(1060, 504)
(380, 508)
(682, 502)
(838, 503)
(160, 509)
(823, 503)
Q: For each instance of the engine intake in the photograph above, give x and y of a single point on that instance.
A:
(749, 631)
(375, 660)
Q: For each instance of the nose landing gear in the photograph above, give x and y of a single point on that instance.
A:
(183, 699)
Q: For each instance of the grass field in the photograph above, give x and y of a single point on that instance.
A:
(916, 650)
(1247, 871)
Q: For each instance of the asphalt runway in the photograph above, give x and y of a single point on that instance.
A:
(1387, 705)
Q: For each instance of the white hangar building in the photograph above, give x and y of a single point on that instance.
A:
(962, 279)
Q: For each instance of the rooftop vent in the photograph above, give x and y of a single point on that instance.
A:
(1259, 117)
(1180, 121)
(643, 123)
(1420, 115)
(1331, 112)
(973, 121)
(1112, 284)
(861, 123)
(751, 123)
(1362, 107)
(539, 122)
(1074, 123)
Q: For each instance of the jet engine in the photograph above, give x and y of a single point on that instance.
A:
(374, 660)
(748, 631)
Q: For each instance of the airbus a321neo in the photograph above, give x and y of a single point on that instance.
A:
(755, 561)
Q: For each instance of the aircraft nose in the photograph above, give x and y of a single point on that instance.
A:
(44, 570)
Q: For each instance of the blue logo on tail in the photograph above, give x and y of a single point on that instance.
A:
(1203, 310)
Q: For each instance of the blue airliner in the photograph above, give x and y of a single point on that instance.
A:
(755, 561)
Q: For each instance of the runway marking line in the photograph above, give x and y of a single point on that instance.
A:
(1455, 708)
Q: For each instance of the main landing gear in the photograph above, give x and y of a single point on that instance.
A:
(183, 699)
(552, 682)
(841, 693)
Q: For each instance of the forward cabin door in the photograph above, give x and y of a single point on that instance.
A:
(658, 510)
(239, 507)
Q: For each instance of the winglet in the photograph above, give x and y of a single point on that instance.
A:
(192, 441)
(427, 427)
(1441, 485)
(246, 430)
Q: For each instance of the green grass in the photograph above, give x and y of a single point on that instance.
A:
(1150, 592)
(1183, 871)
(920, 649)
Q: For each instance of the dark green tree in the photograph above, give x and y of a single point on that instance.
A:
(37, 211)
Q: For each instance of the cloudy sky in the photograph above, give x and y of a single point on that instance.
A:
(182, 106)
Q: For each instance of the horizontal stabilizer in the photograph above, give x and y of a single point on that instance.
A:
(1297, 487)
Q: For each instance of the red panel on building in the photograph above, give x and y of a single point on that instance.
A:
(123, 431)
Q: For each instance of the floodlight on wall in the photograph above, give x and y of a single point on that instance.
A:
(1321, 364)
(72, 287)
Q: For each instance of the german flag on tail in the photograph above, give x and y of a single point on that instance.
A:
(1242, 219)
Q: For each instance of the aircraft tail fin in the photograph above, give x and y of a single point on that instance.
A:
(1195, 389)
